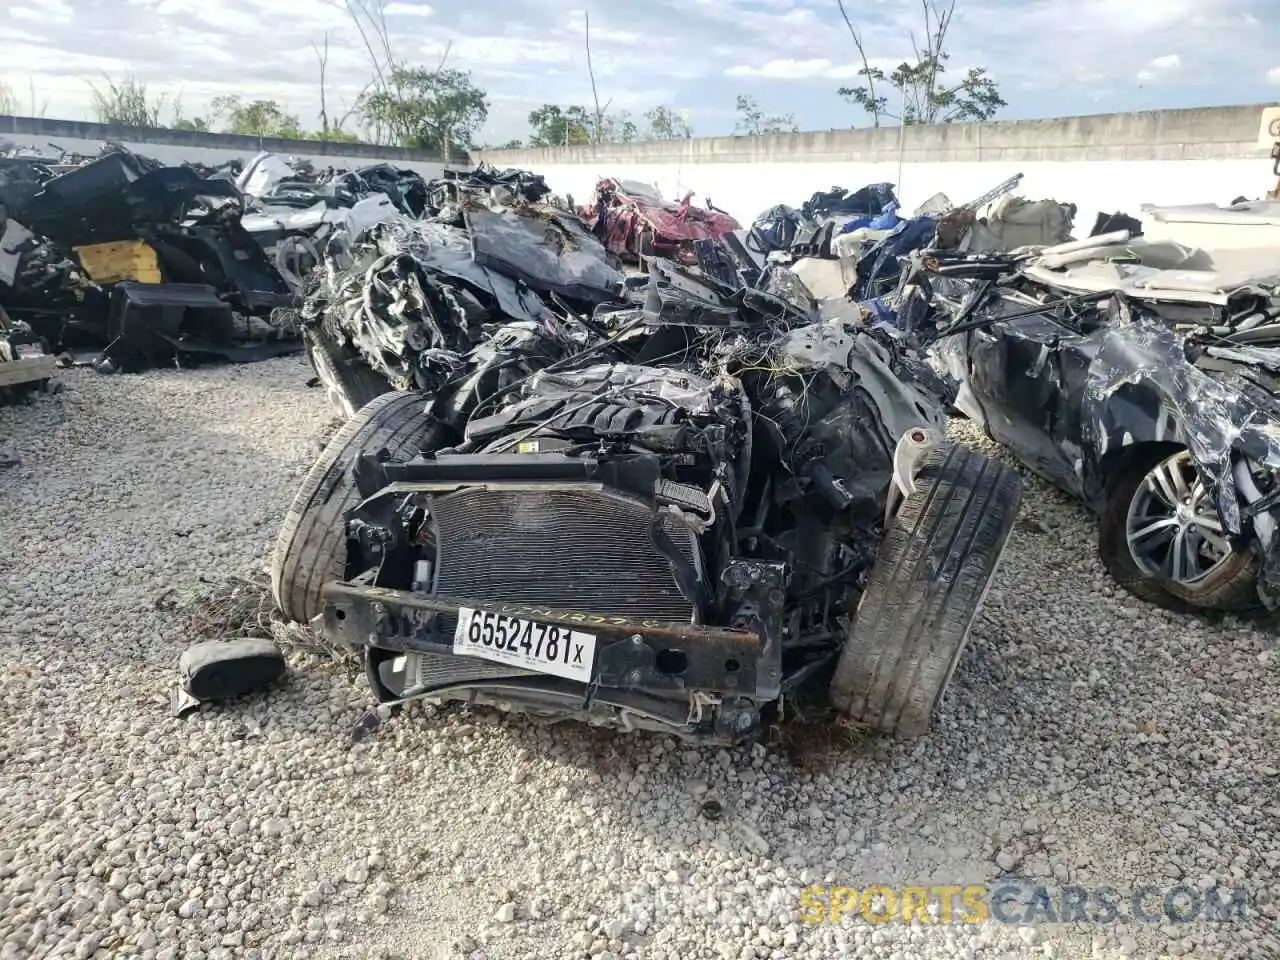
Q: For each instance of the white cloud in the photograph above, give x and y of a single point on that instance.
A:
(402, 9)
(56, 11)
(816, 69)
(1273, 75)
(1160, 68)
(15, 35)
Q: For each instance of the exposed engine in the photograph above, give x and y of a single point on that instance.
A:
(692, 479)
(652, 556)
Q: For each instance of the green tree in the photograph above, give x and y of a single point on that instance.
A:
(754, 122)
(922, 92)
(509, 145)
(439, 109)
(127, 103)
(257, 118)
(555, 126)
(666, 124)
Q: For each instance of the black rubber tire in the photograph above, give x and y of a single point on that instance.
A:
(938, 557)
(311, 547)
(1231, 586)
(355, 380)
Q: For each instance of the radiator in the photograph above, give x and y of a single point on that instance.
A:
(581, 550)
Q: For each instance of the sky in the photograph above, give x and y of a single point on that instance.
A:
(1050, 57)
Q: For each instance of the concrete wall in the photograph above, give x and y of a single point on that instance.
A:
(1101, 163)
(178, 146)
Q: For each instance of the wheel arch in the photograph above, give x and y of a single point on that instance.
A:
(1113, 462)
(1122, 425)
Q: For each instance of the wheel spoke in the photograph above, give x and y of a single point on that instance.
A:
(1178, 554)
(1162, 486)
(1164, 525)
(1209, 521)
(1191, 548)
(1210, 530)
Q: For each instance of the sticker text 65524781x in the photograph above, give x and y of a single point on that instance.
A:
(527, 644)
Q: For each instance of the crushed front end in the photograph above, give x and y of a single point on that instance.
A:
(565, 574)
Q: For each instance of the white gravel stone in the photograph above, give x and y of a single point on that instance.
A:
(1077, 734)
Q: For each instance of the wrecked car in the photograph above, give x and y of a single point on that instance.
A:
(1140, 376)
(686, 511)
(633, 221)
(508, 185)
(148, 261)
(392, 307)
(293, 210)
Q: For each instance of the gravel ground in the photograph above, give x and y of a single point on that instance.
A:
(1087, 739)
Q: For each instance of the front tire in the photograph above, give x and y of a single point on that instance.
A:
(311, 547)
(1156, 557)
(937, 560)
(349, 383)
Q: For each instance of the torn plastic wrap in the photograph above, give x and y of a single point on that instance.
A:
(1069, 379)
(547, 250)
(1211, 414)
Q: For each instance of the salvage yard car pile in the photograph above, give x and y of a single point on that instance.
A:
(634, 465)
(673, 501)
(689, 498)
(1138, 373)
(138, 263)
(128, 263)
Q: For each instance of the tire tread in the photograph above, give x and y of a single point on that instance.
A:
(310, 549)
(938, 557)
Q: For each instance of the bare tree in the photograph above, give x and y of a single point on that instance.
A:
(599, 125)
(755, 122)
(370, 20)
(8, 100)
(41, 110)
(392, 78)
(323, 60)
(875, 104)
(353, 107)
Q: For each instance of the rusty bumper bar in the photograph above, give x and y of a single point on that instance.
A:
(631, 654)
